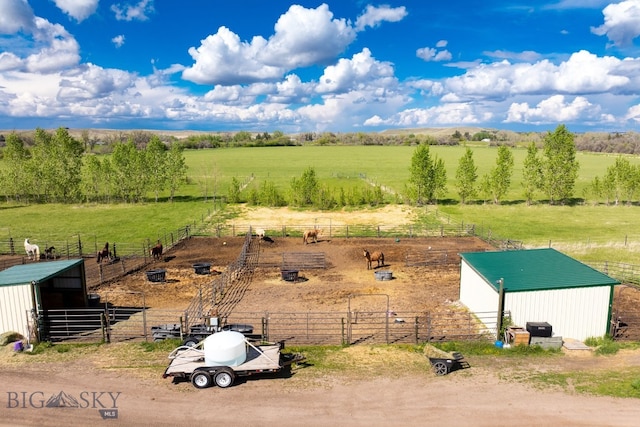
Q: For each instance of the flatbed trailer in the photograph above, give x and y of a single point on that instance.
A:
(189, 363)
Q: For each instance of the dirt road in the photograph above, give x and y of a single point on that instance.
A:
(479, 396)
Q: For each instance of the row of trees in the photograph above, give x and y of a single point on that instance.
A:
(620, 184)
(55, 169)
(554, 173)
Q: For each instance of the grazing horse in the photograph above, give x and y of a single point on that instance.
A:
(33, 251)
(156, 251)
(376, 256)
(311, 235)
(50, 253)
(103, 253)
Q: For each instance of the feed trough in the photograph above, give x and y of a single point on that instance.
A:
(156, 275)
(383, 275)
(202, 268)
(289, 275)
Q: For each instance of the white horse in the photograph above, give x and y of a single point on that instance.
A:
(33, 251)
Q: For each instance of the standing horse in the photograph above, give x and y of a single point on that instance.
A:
(33, 251)
(156, 251)
(311, 235)
(50, 253)
(103, 253)
(376, 256)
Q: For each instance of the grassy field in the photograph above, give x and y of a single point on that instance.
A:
(341, 165)
(585, 231)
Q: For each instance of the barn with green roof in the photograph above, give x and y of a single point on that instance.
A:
(540, 285)
(38, 286)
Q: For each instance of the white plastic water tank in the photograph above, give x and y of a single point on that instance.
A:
(226, 348)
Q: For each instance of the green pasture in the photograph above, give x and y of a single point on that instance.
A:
(93, 223)
(587, 231)
(346, 166)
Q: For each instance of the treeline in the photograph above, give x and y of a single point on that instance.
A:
(55, 168)
(104, 142)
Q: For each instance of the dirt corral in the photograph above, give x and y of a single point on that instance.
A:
(411, 289)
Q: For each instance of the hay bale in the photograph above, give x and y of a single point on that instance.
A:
(436, 353)
(9, 337)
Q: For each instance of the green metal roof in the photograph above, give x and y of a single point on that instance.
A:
(534, 270)
(35, 272)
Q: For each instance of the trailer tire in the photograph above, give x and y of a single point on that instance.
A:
(224, 378)
(201, 379)
(191, 342)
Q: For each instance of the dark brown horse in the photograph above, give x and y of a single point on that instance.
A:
(376, 256)
(103, 253)
(156, 251)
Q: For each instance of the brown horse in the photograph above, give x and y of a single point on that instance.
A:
(311, 235)
(156, 251)
(376, 256)
(103, 253)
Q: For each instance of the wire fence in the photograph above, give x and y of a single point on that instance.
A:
(117, 324)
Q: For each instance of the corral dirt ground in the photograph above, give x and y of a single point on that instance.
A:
(487, 394)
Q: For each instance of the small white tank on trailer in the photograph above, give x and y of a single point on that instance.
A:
(225, 348)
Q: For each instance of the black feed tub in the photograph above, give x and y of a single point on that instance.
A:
(289, 275)
(156, 275)
(202, 268)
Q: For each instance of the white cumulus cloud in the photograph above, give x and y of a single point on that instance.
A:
(133, 12)
(78, 9)
(552, 110)
(118, 40)
(373, 16)
(302, 37)
(15, 15)
(621, 22)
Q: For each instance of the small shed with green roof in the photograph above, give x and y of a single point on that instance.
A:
(540, 285)
(34, 287)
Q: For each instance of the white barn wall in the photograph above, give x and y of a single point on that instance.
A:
(577, 313)
(475, 293)
(15, 301)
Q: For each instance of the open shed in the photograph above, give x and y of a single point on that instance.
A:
(539, 285)
(40, 286)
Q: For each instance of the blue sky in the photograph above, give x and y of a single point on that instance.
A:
(340, 66)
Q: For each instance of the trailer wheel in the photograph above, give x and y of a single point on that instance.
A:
(224, 378)
(201, 379)
(440, 368)
(191, 342)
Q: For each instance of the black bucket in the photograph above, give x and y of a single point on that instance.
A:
(94, 300)
(289, 275)
(202, 268)
(156, 275)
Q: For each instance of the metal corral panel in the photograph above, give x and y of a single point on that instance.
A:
(15, 302)
(475, 293)
(577, 313)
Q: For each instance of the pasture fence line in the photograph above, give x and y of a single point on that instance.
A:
(346, 231)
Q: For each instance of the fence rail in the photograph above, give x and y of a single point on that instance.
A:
(117, 324)
(625, 326)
